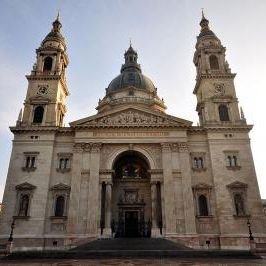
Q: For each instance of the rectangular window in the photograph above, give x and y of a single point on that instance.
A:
(198, 161)
(64, 162)
(30, 159)
(232, 160)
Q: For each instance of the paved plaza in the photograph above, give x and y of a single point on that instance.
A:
(140, 262)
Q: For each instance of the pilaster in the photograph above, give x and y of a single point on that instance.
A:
(73, 212)
(94, 207)
(169, 204)
(185, 167)
(155, 231)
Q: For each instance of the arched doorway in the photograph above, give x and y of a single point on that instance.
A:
(131, 196)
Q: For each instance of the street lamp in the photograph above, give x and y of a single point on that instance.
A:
(249, 231)
(10, 239)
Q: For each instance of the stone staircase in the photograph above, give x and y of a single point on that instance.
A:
(131, 248)
(138, 244)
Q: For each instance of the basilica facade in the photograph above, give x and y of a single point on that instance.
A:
(131, 170)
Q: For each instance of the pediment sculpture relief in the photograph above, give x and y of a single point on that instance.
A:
(132, 118)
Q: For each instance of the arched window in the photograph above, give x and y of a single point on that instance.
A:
(200, 162)
(23, 205)
(38, 114)
(229, 161)
(223, 113)
(214, 64)
(197, 163)
(239, 204)
(234, 161)
(203, 206)
(59, 206)
(48, 63)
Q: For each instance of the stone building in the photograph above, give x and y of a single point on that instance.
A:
(131, 170)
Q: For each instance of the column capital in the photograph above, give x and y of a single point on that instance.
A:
(96, 147)
(87, 147)
(155, 171)
(183, 146)
(109, 183)
(174, 146)
(166, 147)
(77, 148)
(106, 171)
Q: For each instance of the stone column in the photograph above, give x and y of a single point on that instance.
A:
(169, 193)
(155, 231)
(108, 209)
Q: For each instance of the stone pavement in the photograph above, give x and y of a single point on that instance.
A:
(140, 262)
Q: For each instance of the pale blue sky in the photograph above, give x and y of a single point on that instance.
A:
(164, 34)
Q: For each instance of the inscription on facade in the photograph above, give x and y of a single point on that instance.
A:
(130, 134)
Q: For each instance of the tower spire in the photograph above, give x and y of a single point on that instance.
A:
(202, 13)
(58, 15)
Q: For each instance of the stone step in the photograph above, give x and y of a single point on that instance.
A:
(91, 254)
(131, 244)
(131, 248)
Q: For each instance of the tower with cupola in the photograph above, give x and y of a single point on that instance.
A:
(217, 103)
(45, 103)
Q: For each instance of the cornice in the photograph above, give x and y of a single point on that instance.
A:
(57, 130)
(218, 128)
(212, 76)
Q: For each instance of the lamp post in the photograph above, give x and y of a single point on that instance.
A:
(10, 239)
(249, 231)
(251, 238)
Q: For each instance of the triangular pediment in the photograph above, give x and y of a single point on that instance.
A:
(60, 186)
(202, 186)
(237, 184)
(25, 186)
(131, 117)
(39, 99)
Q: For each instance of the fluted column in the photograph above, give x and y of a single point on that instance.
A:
(108, 209)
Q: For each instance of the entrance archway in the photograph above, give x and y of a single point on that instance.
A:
(131, 196)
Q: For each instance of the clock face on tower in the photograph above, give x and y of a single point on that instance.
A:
(219, 88)
(42, 90)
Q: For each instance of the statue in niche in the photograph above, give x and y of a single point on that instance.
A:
(239, 204)
(131, 170)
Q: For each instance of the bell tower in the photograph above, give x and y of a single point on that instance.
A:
(217, 103)
(45, 103)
